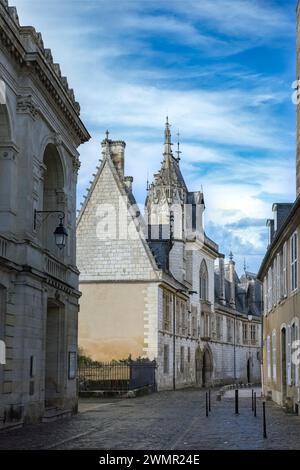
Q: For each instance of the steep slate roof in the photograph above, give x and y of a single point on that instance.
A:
(247, 288)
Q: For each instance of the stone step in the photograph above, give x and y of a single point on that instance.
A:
(53, 414)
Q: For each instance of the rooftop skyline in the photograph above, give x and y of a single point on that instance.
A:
(222, 71)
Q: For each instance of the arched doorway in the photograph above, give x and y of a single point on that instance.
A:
(249, 374)
(203, 366)
(198, 366)
(53, 194)
(207, 367)
(283, 364)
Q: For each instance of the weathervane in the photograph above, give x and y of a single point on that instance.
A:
(178, 144)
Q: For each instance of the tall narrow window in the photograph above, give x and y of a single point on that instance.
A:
(167, 303)
(270, 289)
(294, 261)
(166, 359)
(245, 333)
(265, 289)
(294, 365)
(269, 371)
(182, 359)
(203, 290)
(274, 355)
(278, 278)
(284, 270)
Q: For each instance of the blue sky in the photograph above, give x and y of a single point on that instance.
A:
(221, 69)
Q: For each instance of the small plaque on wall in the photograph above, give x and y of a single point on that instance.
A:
(72, 365)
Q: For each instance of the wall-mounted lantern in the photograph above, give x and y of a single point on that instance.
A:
(60, 233)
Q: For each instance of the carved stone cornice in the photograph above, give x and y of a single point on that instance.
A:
(26, 47)
(76, 165)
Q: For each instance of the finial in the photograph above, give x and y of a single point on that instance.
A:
(178, 144)
(107, 134)
(168, 144)
(147, 187)
(231, 256)
(245, 265)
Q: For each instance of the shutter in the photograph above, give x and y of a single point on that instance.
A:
(288, 355)
(284, 270)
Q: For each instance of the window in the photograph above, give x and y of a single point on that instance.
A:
(294, 261)
(270, 289)
(194, 325)
(245, 333)
(294, 367)
(178, 317)
(166, 359)
(167, 305)
(284, 270)
(189, 355)
(182, 359)
(278, 278)
(203, 290)
(238, 335)
(265, 289)
(219, 327)
(269, 357)
(253, 334)
(183, 319)
(229, 330)
(274, 371)
(274, 287)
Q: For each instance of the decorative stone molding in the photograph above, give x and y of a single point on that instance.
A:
(26, 46)
(76, 164)
(7, 153)
(25, 105)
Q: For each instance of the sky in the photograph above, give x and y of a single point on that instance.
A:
(222, 70)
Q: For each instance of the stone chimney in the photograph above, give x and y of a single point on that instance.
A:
(222, 298)
(128, 180)
(116, 150)
(232, 280)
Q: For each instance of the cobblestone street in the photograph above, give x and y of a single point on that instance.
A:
(162, 421)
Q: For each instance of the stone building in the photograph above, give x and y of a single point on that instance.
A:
(40, 130)
(279, 273)
(148, 283)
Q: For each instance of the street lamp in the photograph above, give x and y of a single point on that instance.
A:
(60, 233)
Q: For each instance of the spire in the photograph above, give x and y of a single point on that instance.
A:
(178, 144)
(168, 144)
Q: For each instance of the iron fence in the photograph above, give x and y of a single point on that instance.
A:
(117, 376)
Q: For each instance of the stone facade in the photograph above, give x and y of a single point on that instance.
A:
(148, 283)
(40, 130)
(279, 273)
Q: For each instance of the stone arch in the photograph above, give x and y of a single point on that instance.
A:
(53, 193)
(5, 126)
(204, 366)
(203, 281)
